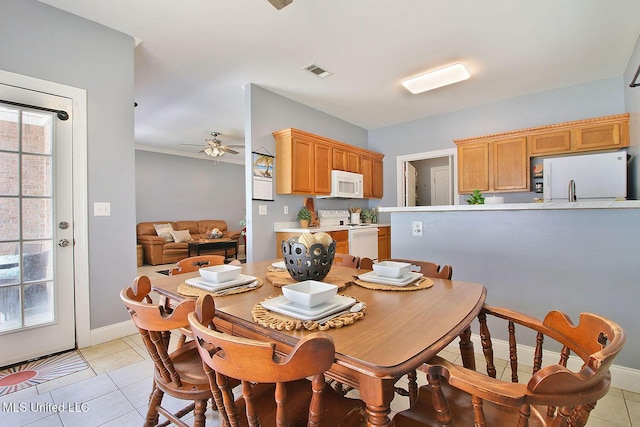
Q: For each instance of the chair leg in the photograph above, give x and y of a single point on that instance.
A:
(155, 399)
(413, 387)
(198, 413)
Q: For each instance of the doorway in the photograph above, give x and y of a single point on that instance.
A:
(427, 179)
(40, 294)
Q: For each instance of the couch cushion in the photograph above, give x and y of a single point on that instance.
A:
(180, 235)
(164, 231)
(192, 226)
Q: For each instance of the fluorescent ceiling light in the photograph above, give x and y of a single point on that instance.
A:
(434, 79)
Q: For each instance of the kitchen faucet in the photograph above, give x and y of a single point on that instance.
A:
(572, 191)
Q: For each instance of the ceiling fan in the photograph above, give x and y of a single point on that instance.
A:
(215, 148)
(279, 4)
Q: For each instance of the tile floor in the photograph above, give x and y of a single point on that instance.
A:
(114, 391)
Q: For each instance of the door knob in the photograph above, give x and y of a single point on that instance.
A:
(63, 243)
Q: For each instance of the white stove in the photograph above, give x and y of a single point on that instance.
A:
(363, 238)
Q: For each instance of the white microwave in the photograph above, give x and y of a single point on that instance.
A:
(345, 185)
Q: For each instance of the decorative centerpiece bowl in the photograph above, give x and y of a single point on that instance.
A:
(311, 263)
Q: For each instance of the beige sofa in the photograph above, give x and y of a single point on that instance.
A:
(157, 250)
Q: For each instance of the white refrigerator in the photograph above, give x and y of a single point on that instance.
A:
(600, 176)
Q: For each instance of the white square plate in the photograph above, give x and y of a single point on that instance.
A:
(284, 306)
(374, 277)
(199, 282)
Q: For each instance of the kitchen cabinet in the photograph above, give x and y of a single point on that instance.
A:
(384, 242)
(346, 160)
(501, 162)
(494, 165)
(304, 163)
(372, 179)
(473, 167)
(342, 241)
(310, 172)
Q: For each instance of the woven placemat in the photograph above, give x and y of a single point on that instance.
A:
(194, 291)
(282, 322)
(423, 283)
(281, 278)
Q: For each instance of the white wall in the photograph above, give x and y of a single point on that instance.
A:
(44, 42)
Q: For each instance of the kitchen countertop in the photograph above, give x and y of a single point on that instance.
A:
(294, 227)
(624, 204)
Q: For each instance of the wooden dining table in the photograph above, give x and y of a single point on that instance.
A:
(399, 331)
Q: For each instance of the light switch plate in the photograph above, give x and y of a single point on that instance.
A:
(417, 228)
(101, 209)
(262, 209)
(286, 210)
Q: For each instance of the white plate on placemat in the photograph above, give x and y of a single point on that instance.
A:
(279, 264)
(283, 306)
(374, 277)
(199, 282)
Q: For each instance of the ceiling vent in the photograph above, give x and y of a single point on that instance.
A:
(314, 69)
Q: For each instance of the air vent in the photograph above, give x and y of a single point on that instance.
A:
(314, 69)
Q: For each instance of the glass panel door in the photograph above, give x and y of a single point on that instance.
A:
(26, 239)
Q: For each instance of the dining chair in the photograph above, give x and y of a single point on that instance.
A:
(557, 394)
(194, 263)
(346, 260)
(365, 263)
(276, 390)
(178, 373)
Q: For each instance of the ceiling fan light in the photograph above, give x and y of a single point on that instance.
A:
(434, 79)
(208, 151)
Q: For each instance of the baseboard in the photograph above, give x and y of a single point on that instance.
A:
(621, 376)
(112, 332)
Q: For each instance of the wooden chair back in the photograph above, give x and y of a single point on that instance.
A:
(194, 263)
(556, 394)
(178, 373)
(346, 260)
(275, 389)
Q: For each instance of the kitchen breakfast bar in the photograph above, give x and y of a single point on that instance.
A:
(535, 257)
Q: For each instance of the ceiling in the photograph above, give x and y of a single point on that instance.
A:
(196, 56)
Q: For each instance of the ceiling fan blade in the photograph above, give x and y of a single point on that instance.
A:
(279, 4)
(226, 149)
(192, 145)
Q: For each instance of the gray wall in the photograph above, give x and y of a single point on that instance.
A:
(535, 261)
(172, 188)
(599, 98)
(43, 42)
(267, 113)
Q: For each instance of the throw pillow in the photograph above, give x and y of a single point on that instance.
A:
(164, 231)
(216, 234)
(181, 235)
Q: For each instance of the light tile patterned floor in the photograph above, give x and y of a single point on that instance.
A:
(114, 390)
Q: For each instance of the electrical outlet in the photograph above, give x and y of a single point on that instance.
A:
(286, 210)
(262, 209)
(416, 228)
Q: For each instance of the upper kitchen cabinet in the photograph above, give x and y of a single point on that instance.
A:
(345, 160)
(304, 164)
(599, 134)
(372, 179)
(493, 165)
(500, 162)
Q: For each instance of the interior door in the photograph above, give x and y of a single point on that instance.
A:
(440, 186)
(36, 232)
(409, 184)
